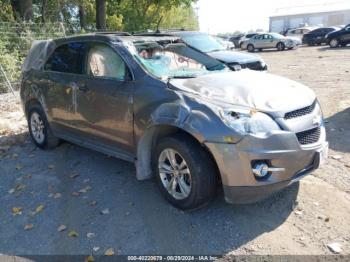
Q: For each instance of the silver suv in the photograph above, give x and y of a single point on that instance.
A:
(178, 114)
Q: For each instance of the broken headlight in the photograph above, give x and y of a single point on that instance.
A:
(249, 122)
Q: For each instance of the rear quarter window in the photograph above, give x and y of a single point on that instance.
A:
(67, 58)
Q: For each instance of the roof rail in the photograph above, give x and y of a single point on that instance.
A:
(113, 33)
(173, 29)
(152, 34)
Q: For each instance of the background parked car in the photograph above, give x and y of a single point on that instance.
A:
(227, 44)
(235, 39)
(245, 38)
(207, 44)
(318, 36)
(339, 38)
(299, 32)
(269, 40)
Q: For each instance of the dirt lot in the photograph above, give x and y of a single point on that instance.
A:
(114, 210)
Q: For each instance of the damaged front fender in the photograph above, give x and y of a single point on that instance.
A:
(184, 114)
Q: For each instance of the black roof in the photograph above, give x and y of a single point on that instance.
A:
(115, 36)
(169, 32)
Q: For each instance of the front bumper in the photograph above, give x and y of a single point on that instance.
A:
(280, 150)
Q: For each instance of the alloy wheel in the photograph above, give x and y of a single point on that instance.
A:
(37, 128)
(334, 43)
(174, 174)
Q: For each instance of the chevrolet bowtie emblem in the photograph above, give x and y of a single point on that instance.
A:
(317, 120)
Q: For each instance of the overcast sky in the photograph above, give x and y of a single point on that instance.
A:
(221, 16)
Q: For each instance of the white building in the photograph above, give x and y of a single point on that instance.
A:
(328, 14)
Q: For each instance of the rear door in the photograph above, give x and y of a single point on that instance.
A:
(105, 100)
(64, 72)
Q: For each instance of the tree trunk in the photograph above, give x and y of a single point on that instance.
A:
(22, 10)
(101, 14)
(82, 17)
(43, 11)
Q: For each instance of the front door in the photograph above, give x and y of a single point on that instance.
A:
(345, 37)
(268, 41)
(105, 100)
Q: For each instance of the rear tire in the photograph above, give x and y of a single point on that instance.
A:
(250, 48)
(39, 128)
(185, 173)
(280, 46)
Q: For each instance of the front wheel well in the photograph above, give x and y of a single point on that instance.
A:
(147, 145)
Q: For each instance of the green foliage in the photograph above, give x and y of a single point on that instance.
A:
(6, 14)
(115, 22)
(10, 60)
(180, 17)
(140, 15)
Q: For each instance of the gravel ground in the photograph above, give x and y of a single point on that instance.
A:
(75, 201)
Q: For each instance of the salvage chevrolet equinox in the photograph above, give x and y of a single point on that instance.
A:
(180, 115)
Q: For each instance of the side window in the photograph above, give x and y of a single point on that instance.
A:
(103, 61)
(68, 58)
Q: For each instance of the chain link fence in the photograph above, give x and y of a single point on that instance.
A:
(15, 42)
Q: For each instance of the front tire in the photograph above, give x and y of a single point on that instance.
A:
(39, 128)
(334, 43)
(185, 172)
(280, 46)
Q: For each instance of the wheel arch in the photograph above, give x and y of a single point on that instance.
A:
(31, 102)
(147, 143)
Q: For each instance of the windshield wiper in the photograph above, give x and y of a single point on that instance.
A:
(215, 50)
(181, 77)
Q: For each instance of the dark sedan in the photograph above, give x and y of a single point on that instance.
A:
(318, 36)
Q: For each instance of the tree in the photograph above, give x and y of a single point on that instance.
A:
(22, 10)
(82, 17)
(101, 14)
(141, 15)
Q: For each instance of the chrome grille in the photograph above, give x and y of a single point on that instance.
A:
(300, 112)
(309, 136)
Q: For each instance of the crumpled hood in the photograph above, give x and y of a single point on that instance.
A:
(228, 57)
(247, 88)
